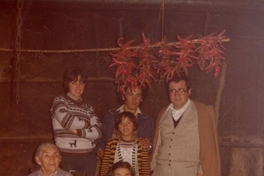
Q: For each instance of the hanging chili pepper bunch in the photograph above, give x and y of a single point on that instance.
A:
(134, 65)
(207, 52)
(210, 53)
(176, 58)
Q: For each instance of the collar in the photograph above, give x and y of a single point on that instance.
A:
(121, 109)
(177, 113)
(182, 109)
(74, 98)
(40, 173)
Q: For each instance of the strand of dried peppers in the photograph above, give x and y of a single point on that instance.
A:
(136, 66)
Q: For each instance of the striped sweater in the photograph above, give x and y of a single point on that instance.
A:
(67, 114)
(142, 163)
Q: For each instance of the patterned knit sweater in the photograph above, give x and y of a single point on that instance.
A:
(111, 150)
(67, 114)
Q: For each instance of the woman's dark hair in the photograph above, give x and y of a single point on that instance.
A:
(178, 78)
(71, 74)
(121, 164)
(128, 115)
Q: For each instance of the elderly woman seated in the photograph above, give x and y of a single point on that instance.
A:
(48, 157)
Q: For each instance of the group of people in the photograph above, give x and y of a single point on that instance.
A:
(184, 141)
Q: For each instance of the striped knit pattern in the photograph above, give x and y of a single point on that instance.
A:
(109, 157)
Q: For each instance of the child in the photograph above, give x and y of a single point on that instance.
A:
(121, 169)
(125, 147)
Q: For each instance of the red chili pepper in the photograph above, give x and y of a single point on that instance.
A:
(217, 71)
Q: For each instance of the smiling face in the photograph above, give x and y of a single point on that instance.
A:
(126, 128)
(76, 87)
(178, 99)
(49, 160)
(122, 172)
(132, 99)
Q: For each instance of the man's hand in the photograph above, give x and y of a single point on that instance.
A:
(199, 175)
(100, 153)
(73, 131)
(144, 142)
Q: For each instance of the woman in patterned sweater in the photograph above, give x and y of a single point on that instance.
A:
(75, 125)
(125, 147)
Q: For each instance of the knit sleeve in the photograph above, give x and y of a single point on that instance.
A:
(108, 157)
(143, 162)
(93, 131)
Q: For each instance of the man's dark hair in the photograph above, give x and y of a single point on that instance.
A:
(144, 94)
(71, 74)
(123, 115)
(177, 78)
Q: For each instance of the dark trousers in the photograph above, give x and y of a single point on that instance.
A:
(79, 163)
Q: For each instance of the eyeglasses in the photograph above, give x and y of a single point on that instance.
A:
(180, 91)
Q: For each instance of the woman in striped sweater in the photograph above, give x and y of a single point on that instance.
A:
(125, 147)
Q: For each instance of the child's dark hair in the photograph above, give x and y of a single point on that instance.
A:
(121, 164)
(128, 115)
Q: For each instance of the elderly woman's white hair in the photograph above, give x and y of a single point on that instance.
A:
(43, 146)
(48, 157)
